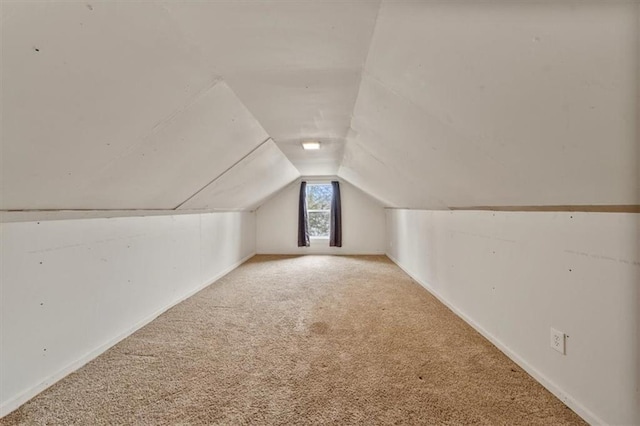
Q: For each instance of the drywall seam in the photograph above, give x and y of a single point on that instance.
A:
(267, 165)
(398, 171)
(162, 123)
(383, 203)
(15, 402)
(464, 138)
(261, 202)
(567, 399)
(368, 194)
(222, 174)
(275, 194)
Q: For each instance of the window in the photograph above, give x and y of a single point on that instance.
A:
(319, 209)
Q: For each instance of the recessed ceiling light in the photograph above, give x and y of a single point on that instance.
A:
(311, 145)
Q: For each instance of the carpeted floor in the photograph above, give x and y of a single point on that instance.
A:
(302, 340)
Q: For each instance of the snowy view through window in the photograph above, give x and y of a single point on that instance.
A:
(318, 208)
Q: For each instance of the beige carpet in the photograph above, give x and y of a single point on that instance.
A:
(302, 340)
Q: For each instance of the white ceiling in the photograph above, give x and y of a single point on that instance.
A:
(260, 174)
(141, 105)
(295, 64)
(499, 103)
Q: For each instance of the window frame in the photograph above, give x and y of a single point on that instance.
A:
(318, 183)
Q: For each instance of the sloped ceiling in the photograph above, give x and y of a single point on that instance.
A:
(167, 105)
(295, 64)
(499, 103)
(258, 175)
(109, 108)
(137, 105)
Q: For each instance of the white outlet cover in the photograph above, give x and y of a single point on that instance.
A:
(558, 340)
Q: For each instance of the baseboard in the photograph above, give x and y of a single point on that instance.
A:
(567, 399)
(15, 402)
(336, 252)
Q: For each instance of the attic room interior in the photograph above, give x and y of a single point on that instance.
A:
(460, 245)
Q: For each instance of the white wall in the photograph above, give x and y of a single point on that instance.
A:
(71, 289)
(363, 224)
(515, 275)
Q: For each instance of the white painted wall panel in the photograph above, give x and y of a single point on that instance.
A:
(70, 289)
(363, 224)
(257, 176)
(515, 275)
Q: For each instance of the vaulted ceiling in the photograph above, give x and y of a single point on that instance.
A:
(203, 105)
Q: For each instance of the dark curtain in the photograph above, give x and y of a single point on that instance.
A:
(335, 237)
(303, 232)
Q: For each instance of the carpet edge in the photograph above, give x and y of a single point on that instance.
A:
(16, 402)
(548, 384)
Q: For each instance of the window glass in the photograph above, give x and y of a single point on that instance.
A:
(319, 208)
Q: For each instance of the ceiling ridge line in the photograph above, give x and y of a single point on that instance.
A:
(169, 118)
(360, 78)
(398, 171)
(368, 193)
(465, 138)
(223, 173)
(274, 194)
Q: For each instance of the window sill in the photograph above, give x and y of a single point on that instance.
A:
(319, 238)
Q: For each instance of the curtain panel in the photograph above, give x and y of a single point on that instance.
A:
(303, 231)
(335, 236)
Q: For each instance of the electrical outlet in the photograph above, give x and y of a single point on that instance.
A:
(557, 340)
